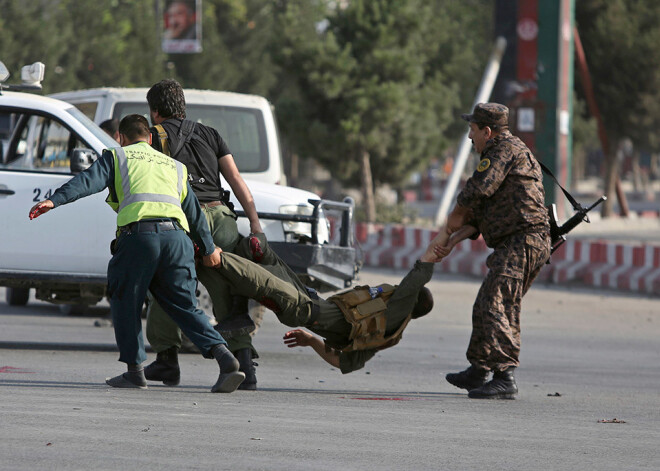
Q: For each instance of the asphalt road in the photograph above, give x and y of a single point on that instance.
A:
(587, 356)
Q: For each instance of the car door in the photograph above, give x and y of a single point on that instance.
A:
(71, 240)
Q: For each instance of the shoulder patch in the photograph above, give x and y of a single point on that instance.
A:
(483, 165)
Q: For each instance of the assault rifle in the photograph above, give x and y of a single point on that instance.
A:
(557, 232)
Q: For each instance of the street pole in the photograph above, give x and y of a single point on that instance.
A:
(483, 94)
(555, 95)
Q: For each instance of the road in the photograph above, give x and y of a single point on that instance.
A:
(587, 356)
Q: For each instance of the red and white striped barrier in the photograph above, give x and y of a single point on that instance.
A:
(625, 267)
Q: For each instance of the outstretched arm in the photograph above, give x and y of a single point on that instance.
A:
(436, 250)
(302, 338)
(93, 180)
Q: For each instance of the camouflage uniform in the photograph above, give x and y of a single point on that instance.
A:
(507, 200)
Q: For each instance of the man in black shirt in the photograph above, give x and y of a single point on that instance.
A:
(206, 156)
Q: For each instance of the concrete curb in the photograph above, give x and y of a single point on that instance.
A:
(621, 266)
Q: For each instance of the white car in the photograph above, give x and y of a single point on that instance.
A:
(246, 122)
(44, 141)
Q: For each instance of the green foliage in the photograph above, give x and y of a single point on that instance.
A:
(620, 39)
(83, 44)
(387, 213)
(378, 80)
(384, 77)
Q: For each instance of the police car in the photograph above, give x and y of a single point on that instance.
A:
(45, 141)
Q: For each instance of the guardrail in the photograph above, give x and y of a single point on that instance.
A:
(345, 207)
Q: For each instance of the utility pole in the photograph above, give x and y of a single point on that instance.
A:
(554, 139)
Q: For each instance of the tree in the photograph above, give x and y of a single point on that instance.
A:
(237, 37)
(376, 93)
(30, 32)
(108, 43)
(620, 39)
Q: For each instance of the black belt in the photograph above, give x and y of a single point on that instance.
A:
(150, 225)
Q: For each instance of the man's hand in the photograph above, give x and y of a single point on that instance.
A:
(442, 238)
(41, 208)
(435, 252)
(213, 260)
(298, 338)
(255, 227)
(438, 248)
(302, 338)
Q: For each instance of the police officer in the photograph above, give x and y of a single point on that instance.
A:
(504, 199)
(206, 156)
(155, 210)
(349, 341)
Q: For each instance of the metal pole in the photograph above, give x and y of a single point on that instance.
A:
(483, 94)
(595, 112)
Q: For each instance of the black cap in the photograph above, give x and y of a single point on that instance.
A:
(489, 114)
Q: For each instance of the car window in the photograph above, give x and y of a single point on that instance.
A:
(32, 141)
(56, 144)
(242, 128)
(108, 142)
(89, 108)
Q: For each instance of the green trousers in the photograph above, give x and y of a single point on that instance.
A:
(162, 332)
(271, 283)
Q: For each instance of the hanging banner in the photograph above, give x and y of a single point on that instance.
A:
(182, 26)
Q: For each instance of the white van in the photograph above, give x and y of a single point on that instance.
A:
(246, 122)
(64, 256)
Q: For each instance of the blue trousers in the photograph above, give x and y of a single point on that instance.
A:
(162, 262)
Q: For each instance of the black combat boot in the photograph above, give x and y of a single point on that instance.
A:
(502, 386)
(230, 378)
(165, 368)
(468, 379)
(244, 357)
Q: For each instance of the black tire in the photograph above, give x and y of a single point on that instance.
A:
(18, 296)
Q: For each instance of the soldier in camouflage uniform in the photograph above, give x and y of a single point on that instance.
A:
(504, 199)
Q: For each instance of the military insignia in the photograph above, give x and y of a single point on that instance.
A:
(483, 165)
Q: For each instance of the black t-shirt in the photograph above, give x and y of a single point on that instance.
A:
(200, 155)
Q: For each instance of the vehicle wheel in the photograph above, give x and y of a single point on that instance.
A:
(73, 309)
(18, 296)
(256, 312)
(204, 303)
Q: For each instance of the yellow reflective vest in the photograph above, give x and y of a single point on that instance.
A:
(148, 185)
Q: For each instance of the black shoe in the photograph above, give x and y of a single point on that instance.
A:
(502, 386)
(468, 379)
(230, 378)
(128, 380)
(244, 357)
(239, 323)
(165, 368)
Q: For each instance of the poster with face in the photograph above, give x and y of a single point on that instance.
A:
(182, 26)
